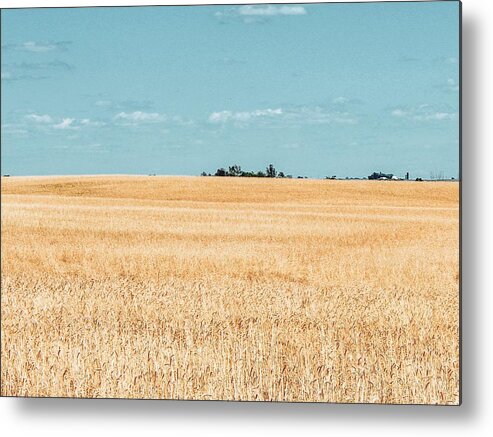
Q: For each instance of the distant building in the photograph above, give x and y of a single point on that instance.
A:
(381, 176)
(407, 176)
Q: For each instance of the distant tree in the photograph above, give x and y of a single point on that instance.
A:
(248, 174)
(260, 174)
(271, 171)
(203, 173)
(221, 172)
(235, 170)
(289, 176)
(281, 175)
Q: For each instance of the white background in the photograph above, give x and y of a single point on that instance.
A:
(52, 417)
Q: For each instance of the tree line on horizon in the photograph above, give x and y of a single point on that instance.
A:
(236, 171)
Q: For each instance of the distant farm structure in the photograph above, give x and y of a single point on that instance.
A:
(381, 176)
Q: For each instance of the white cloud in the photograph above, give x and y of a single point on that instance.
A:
(271, 10)
(424, 112)
(32, 46)
(139, 116)
(258, 14)
(319, 115)
(399, 113)
(39, 118)
(218, 117)
(66, 123)
(89, 122)
(244, 116)
(37, 47)
(437, 116)
(298, 115)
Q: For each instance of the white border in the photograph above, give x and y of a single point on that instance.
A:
(473, 418)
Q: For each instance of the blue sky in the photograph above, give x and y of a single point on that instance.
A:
(329, 89)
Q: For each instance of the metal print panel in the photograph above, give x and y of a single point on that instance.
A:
(237, 202)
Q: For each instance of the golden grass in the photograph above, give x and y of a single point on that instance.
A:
(230, 288)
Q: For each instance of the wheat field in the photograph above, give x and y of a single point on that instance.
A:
(230, 288)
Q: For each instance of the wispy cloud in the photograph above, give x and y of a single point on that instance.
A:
(424, 113)
(440, 116)
(270, 10)
(125, 105)
(88, 122)
(341, 101)
(66, 123)
(303, 115)
(243, 116)
(14, 129)
(39, 118)
(450, 86)
(13, 76)
(46, 121)
(251, 14)
(320, 115)
(32, 70)
(38, 47)
(140, 116)
(52, 65)
(399, 113)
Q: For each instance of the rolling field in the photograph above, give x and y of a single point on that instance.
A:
(230, 288)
